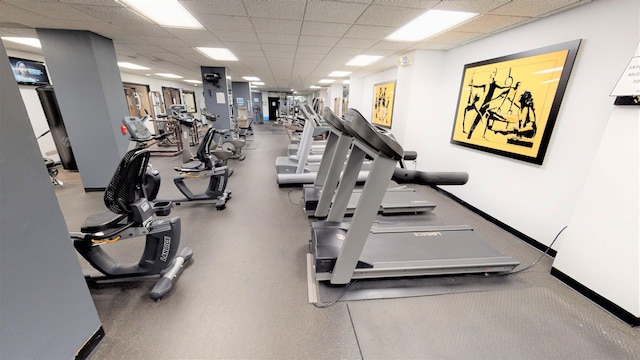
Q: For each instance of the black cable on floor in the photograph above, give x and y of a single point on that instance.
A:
(533, 264)
(344, 292)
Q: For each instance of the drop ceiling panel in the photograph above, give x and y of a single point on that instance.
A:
(454, 37)
(319, 35)
(226, 7)
(477, 6)
(388, 16)
(275, 38)
(282, 48)
(333, 11)
(277, 26)
(369, 32)
(312, 40)
(275, 9)
(52, 10)
(490, 23)
(323, 29)
(224, 22)
(418, 4)
(236, 36)
(528, 8)
(361, 44)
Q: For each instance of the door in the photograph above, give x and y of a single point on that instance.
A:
(274, 103)
(171, 96)
(258, 117)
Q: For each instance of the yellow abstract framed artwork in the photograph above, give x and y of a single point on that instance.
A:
(383, 95)
(509, 105)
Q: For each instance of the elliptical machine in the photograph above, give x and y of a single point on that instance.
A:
(202, 166)
(131, 215)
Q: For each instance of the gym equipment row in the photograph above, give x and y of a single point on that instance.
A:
(345, 249)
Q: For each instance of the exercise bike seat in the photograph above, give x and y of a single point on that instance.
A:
(104, 221)
(203, 160)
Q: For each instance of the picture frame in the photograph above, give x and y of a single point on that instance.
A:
(509, 105)
(383, 99)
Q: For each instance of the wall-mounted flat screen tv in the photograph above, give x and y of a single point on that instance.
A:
(29, 72)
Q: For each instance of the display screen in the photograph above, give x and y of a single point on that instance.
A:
(29, 72)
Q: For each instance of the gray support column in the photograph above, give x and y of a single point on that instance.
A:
(216, 95)
(85, 76)
(46, 311)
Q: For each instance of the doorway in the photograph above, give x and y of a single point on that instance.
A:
(137, 97)
(171, 96)
(190, 101)
(274, 104)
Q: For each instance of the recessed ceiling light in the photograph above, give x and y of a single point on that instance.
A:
(193, 81)
(346, 82)
(169, 13)
(251, 78)
(363, 60)
(326, 81)
(220, 54)
(24, 41)
(257, 83)
(128, 65)
(170, 76)
(314, 87)
(430, 23)
(340, 73)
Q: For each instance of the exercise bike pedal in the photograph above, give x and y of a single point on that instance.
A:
(165, 283)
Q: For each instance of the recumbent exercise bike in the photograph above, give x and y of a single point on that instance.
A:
(202, 166)
(130, 214)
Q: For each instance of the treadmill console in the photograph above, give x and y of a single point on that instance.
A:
(379, 139)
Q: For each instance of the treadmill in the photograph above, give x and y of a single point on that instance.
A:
(297, 172)
(397, 200)
(342, 251)
(312, 128)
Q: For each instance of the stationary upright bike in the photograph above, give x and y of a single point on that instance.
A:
(202, 166)
(130, 214)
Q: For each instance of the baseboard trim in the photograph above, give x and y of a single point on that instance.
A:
(606, 304)
(531, 241)
(85, 351)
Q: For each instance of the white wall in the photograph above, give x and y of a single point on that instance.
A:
(535, 200)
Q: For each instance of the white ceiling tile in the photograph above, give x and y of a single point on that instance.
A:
(333, 11)
(275, 38)
(490, 23)
(477, 6)
(315, 28)
(235, 36)
(528, 8)
(388, 16)
(218, 7)
(356, 43)
(317, 40)
(281, 9)
(225, 22)
(276, 26)
(418, 4)
(369, 32)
